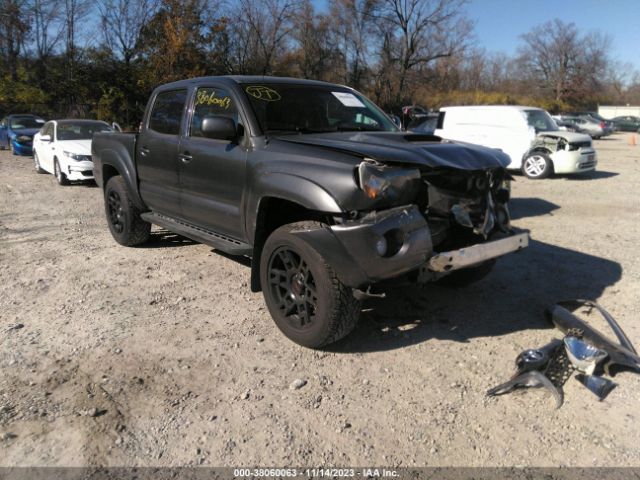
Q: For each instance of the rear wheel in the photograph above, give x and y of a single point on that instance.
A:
(537, 165)
(123, 216)
(307, 301)
(60, 176)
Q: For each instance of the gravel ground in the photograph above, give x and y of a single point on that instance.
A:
(161, 356)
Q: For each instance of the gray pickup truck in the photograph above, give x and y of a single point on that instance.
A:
(315, 184)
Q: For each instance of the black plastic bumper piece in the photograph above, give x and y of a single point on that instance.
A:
(351, 248)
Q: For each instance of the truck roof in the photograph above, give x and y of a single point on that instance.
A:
(491, 107)
(238, 79)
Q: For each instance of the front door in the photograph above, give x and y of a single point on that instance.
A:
(212, 172)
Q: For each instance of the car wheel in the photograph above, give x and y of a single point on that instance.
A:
(537, 165)
(467, 276)
(39, 169)
(123, 216)
(302, 292)
(60, 176)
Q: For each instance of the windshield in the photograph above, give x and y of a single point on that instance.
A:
(81, 130)
(314, 109)
(19, 123)
(541, 121)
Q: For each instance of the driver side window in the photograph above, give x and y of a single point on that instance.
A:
(211, 102)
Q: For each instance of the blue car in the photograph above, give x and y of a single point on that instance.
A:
(17, 131)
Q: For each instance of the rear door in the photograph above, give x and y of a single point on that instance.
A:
(157, 153)
(212, 172)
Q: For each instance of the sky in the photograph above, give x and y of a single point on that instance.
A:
(499, 23)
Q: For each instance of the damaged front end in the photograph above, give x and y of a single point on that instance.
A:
(449, 219)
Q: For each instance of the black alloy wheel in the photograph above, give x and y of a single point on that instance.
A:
(293, 287)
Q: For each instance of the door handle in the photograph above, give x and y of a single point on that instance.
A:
(144, 150)
(185, 157)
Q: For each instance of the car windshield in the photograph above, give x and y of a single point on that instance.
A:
(81, 130)
(314, 109)
(541, 121)
(19, 123)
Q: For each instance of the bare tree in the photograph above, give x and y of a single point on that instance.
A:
(122, 22)
(422, 31)
(354, 24)
(560, 61)
(13, 34)
(48, 27)
(262, 30)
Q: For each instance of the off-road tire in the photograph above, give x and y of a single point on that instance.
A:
(59, 174)
(123, 216)
(335, 312)
(537, 165)
(467, 276)
(36, 161)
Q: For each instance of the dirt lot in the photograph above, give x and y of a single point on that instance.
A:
(161, 355)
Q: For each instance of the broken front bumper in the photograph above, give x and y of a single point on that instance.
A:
(476, 254)
(387, 244)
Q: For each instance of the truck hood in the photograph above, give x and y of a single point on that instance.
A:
(406, 148)
(571, 137)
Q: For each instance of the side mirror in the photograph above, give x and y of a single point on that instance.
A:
(45, 138)
(220, 128)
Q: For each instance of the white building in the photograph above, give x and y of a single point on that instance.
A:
(609, 111)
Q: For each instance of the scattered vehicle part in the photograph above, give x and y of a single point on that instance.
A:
(530, 365)
(568, 323)
(531, 379)
(600, 386)
(573, 305)
(583, 356)
(536, 359)
(313, 182)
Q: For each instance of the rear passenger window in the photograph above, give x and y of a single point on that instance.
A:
(211, 102)
(167, 112)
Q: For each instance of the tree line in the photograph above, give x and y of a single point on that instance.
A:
(102, 58)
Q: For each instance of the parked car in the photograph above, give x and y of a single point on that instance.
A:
(567, 125)
(17, 131)
(63, 148)
(607, 126)
(314, 183)
(627, 123)
(528, 135)
(590, 126)
(427, 125)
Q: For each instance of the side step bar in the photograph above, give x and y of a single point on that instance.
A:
(213, 239)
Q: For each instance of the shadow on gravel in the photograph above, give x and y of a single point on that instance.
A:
(530, 207)
(593, 175)
(512, 298)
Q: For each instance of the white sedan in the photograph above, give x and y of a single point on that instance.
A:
(63, 147)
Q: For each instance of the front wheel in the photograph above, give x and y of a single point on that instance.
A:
(123, 216)
(36, 160)
(60, 175)
(537, 165)
(306, 299)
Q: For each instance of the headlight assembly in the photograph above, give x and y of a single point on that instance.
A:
(396, 184)
(23, 139)
(75, 156)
